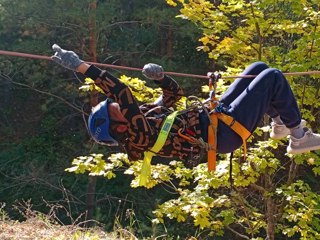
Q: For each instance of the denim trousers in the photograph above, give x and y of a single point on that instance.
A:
(248, 99)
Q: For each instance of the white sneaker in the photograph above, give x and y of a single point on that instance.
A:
(310, 141)
(279, 131)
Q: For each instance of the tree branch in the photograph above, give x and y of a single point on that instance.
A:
(46, 93)
(258, 188)
(237, 233)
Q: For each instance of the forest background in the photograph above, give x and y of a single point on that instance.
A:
(43, 112)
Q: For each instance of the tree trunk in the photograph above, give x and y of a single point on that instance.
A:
(271, 208)
(169, 41)
(166, 42)
(91, 188)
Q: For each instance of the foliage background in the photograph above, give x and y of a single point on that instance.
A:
(42, 125)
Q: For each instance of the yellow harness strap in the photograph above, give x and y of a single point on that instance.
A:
(212, 135)
(148, 155)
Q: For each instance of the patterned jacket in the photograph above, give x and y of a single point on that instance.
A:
(145, 121)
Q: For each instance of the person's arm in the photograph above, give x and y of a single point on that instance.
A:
(83, 67)
(171, 90)
(139, 131)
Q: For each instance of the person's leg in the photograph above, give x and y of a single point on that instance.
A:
(257, 97)
(269, 90)
(279, 130)
(228, 140)
(240, 84)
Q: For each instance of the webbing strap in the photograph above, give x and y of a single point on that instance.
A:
(212, 135)
(212, 141)
(238, 128)
(148, 155)
(212, 132)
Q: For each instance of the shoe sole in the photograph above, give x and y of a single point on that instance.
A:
(278, 137)
(300, 151)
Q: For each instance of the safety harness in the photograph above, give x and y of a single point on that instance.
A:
(215, 114)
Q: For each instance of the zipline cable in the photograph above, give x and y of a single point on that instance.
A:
(27, 55)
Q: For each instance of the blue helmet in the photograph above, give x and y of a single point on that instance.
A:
(98, 124)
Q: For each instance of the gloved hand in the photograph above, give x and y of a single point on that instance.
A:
(67, 59)
(153, 71)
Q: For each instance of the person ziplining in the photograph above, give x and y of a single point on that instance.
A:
(152, 128)
(215, 126)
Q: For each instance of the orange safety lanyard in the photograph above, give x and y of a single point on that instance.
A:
(213, 126)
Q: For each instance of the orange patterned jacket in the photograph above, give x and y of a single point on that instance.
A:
(145, 121)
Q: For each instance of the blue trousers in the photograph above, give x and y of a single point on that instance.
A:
(248, 99)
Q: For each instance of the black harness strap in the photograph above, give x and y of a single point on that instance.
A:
(230, 171)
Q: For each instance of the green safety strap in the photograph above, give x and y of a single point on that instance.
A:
(163, 135)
